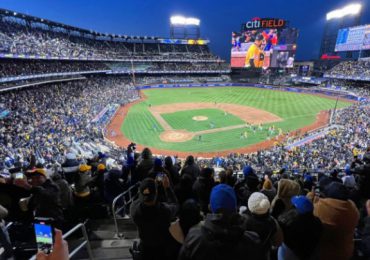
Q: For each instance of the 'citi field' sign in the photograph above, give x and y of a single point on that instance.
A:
(264, 23)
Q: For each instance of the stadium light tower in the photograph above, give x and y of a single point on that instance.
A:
(351, 9)
(184, 27)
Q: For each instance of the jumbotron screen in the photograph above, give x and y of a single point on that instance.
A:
(353, 38)
(264, 43)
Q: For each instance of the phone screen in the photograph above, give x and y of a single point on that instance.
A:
(44, 237)
(19, 175)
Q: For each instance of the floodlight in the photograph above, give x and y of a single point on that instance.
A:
(351, 9)
(180, 20)
(192, 21)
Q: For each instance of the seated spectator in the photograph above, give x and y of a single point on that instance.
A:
(282, 202)
(258, 219)
(202, 188)
(302, 231)
(222, 235)
(189, 216)
(153, 219)
(190, 168)
(339, 217)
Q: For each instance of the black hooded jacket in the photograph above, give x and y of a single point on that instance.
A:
(220, 238)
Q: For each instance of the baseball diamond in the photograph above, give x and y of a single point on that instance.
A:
(232, 119)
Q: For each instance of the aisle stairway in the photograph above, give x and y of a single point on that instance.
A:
(104, 242)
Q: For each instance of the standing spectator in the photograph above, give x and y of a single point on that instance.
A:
(282, 202)
(45, 199)
(191, 168)
(364, 173)
(302, 231)
(339, 217)
(258, 219)
(70, 167)
(223, 235)
(268, 189)
(189, 216)
(145, 164)
(153, 219)
(173, 172)
(202, 188)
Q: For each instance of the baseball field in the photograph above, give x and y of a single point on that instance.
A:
(215, 120)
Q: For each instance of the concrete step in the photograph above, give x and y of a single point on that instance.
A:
(108, 249)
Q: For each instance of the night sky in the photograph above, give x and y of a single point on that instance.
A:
(218, 18)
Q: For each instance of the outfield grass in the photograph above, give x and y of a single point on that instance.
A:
(297, 110)
(183, 119)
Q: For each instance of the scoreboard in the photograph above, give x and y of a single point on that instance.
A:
(353, 38)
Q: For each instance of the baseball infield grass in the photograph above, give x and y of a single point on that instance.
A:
(297, 110)
(215, 119)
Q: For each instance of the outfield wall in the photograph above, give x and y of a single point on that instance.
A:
(289, 89)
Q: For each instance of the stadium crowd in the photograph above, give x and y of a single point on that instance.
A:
(350, 69)
(14, 67)
(22, 38)
(45, 118)
(189, 209)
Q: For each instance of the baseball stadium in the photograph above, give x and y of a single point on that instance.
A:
(129, 131)
(210, 121)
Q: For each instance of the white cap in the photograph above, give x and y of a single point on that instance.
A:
(258, 203)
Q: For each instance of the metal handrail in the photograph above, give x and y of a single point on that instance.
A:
(115, 211)
(85, 242)
(7, 226)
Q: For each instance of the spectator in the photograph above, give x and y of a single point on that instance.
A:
(189, 216)
(202, 188)
(45, 199)
(173, 172)
(282, 202)
(268, 189)
(365, 243)
(222, 236)
(184, 190)
(302, 231)
(145, 164)
(70, 167)
(153, 219)
(339, 217)
(191, 168)
(258, 219)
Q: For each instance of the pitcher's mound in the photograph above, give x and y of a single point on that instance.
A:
(199, 118)
(176, 136)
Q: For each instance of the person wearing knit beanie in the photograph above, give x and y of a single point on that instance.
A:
(258, 203)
